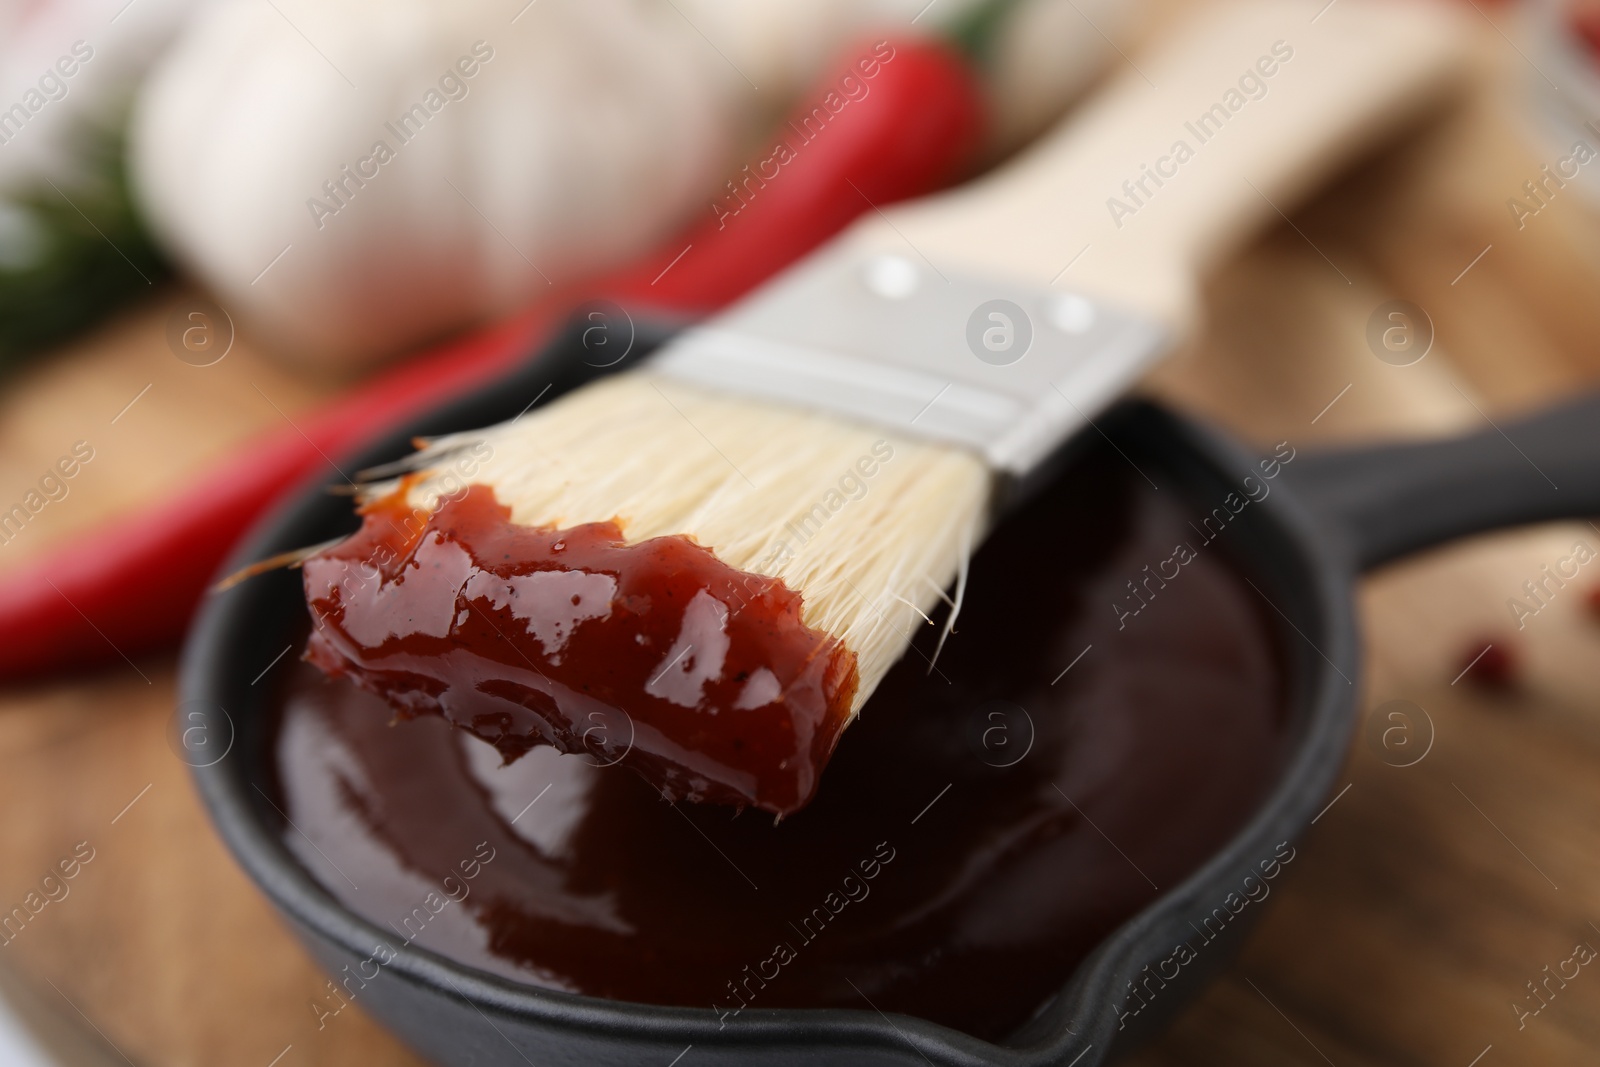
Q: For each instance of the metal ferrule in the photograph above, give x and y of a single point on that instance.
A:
(1007, 370)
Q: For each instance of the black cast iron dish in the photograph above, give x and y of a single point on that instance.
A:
(1301, 547)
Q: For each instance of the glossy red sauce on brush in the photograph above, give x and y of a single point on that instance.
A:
(658, 656)
(979, 832)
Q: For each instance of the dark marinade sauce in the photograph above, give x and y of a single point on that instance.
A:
(703, 677)
(957, 862)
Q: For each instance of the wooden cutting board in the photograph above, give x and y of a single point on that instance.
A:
(1422, 901)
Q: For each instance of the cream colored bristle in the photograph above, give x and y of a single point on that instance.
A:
(870, 526)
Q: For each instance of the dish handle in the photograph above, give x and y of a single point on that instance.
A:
(1393, 499)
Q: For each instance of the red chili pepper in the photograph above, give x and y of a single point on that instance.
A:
(132, 586)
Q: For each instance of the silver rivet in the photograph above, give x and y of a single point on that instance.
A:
(1072, 314)
(892, 277)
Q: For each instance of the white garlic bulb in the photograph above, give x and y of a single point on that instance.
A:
(352, 176)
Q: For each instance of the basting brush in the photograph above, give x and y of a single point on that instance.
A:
(704, 566)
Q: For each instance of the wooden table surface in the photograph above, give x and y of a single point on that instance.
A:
(1424, 898)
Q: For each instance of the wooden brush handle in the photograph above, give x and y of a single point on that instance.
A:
(1222, 127)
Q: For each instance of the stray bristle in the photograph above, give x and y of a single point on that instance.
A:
(869, 526)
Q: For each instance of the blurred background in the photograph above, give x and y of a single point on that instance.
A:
(237, 237)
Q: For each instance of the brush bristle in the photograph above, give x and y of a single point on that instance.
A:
(869, 526)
